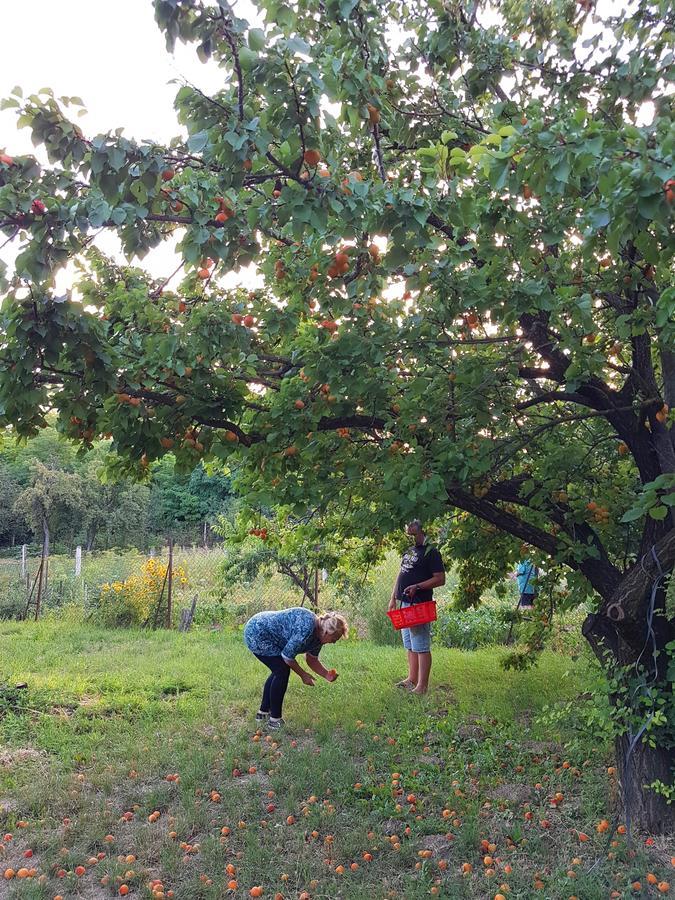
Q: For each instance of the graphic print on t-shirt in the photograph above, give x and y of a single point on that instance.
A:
(419, 563)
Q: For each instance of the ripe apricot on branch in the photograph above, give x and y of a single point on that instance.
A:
(312, 157)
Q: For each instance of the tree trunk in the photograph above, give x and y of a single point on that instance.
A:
(629, 634)
(644, 808)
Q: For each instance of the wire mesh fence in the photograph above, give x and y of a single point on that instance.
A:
(140, 588)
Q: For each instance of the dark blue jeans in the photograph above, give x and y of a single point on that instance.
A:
(275, 686)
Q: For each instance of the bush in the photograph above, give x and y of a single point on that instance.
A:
(13, 600)
(472, 628)
(131, 602)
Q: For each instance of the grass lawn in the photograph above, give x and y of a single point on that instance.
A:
(369, 793)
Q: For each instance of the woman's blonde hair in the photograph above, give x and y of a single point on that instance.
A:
(331, 623)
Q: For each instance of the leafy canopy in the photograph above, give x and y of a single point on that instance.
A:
(461, 214)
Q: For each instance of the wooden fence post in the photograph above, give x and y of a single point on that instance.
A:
(169, 593)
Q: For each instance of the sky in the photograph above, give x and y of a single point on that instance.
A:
(110, 54)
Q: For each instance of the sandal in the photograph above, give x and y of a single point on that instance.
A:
(275, 724)
(405, 685)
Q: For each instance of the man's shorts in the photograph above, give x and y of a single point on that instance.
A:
(417, 639)
(527, 600)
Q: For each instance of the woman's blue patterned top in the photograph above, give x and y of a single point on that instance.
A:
(285, 633)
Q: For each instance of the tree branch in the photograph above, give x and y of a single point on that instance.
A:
(237, 66)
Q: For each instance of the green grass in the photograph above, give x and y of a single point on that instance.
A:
(108, 714)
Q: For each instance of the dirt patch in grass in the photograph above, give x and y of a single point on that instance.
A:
(10, 758)
(12, 857)
(513, 793)
(426, 760)
(470, 732)
(261, 779)
(443, 693)
(393, 826)
(438, 844)
(542, 746)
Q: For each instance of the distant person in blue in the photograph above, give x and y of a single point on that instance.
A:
(526, 576)
(422, 570)
(276, 638)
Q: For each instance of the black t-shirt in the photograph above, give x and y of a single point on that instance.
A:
(419, 564)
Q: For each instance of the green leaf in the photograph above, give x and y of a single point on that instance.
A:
(658, 512)
(248, 58)
(561, 171)
(197, 142)
(139, 191)
(256, 39)
(648, 206)
(632, 515)
(499, 173)
(598, 218)
(297, 45)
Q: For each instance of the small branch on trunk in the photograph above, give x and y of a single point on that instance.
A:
(237, 67)
(355, 421)
(288, 172)
(158, 291)
(553, 397)
(378, 152)
(299, 112)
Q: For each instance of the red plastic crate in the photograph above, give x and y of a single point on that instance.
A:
(410, 616)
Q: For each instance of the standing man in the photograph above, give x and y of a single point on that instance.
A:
(422, 570)
(526, 576)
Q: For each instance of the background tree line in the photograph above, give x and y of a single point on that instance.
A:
(47, 476)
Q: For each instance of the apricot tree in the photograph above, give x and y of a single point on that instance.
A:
(460, 213)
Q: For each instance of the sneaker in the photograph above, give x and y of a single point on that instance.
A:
(275, 724)
(261, 716)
